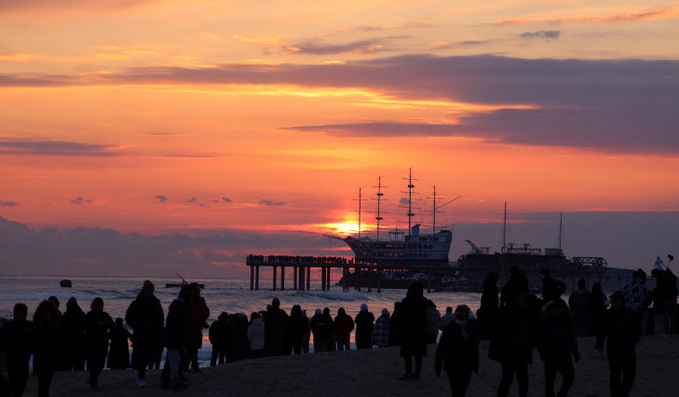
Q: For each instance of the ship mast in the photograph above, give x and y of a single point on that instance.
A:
(560, 228)
(378, 218)
(433, 231)
(410, 200)
(360, 201)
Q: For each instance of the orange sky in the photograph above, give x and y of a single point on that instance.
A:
(156, 117)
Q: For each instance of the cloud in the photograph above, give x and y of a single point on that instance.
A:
(266, 202)
(542, 34)
(161, 198)
(54, 148)
(361, 46)
(60, 7)
(659, 13)
(626, 106)
(461, 43)
(8, 203)
(192, 200)
(80, 201)
(226, 200)
(379, 28)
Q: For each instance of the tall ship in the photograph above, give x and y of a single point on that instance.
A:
(405, 253)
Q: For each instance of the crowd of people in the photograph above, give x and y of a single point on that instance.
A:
(516, 322)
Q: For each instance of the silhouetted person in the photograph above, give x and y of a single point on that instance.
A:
(73, 327)
(596, 305)
(381, 330)
(446, 318)
(413, 329)
(175, 338)
(198, 315)
(118, 353)
(306, 336)
(322, 331)
(552, 289)
(342, 326)
(514, 336)
(490, 304)
(557, 343)
(458, 351)
(297, 327)
(621, 326)
(433, 322)
(239, 333)
(45, 342)
(331, 330)
(578, 302)
(275, 328)
(637, 296)
(256, 335)
(365, 321)
(15, 343)
(98, 325)
(146, 317)
(218, 338)
(516, 283)
(666, 285)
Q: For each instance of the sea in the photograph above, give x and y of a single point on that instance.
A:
(221, 295)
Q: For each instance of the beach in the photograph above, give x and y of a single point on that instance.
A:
(376, 372)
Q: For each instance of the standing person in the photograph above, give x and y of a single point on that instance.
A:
(322, 331)
(306, 336)
(458, 351)
(73, 327)
(433, 322)
(666, 285)
(275, 328)
(514, 336)
(596, 305)
(489, 305)
(45, 342)
(621, 326)
(516, 283)
(331, 329)
(578, 302)
(381, 330)
(557, 343)
(637, 297)
(217, 336)
(447, 318)
(552, 289)
(297, 327)
(198, 315)
(15, 343)
(98, 325)
(145, 316)
(365, 322)
(175, 338)
(413, 329)
(256, 335)
(342, 326)
(119, 354)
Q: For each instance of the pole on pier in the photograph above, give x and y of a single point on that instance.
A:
(345, 279)
(323, 270)
(308, 278)
(252, 278)
(379, 281)
(357, 277)
(428, 282)
(257, 278)
(294, 277)
(327, 278)
(370, 279)
(282, 278)
(275, 269)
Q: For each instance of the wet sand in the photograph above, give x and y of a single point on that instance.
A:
(376, 372)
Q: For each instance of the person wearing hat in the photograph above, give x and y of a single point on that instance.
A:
(175, 338)
(365, 321)
(145, 316)
(620, 325)
(552, 289)
(458, 351)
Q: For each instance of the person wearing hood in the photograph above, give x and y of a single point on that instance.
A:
(198, 315)
(175, 338)
(433, 322)
(343, 325)
(458, 351)
(146, 317)
(411, 325)
(256, 335)
(45, 343)
(99, 323)
(218, 338)
(72, 347)
(321, 328)
(364, 328)
(381, 330)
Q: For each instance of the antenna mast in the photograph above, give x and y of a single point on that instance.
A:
(504, 231)
(410, 200)
(433, 231)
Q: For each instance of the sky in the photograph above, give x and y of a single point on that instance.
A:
(144, 137)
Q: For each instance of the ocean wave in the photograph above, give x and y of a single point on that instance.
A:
(336, 296)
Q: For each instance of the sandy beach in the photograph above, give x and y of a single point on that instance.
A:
(376, 372)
